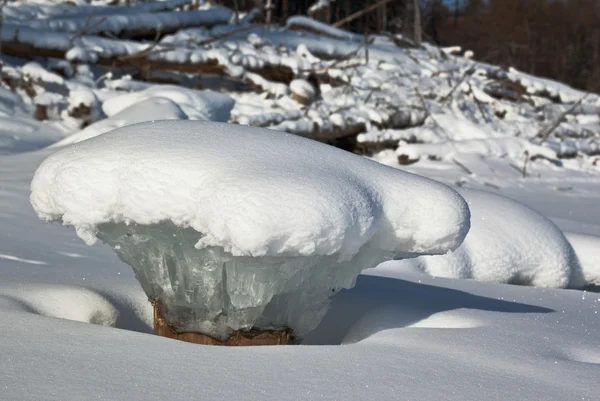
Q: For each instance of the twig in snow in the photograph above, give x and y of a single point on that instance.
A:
(428, 112)
(466, 74)
(366, 47)
(519, 169)
(525, 164)
(224, 35)
(440, 72)
(147, 51)
(86, 26)
(479, 106)
(462, 166)
(489, 184)
(544, 133)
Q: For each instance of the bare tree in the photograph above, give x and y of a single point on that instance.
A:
(418, 33)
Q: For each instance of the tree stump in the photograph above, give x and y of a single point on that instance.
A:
(237, 338)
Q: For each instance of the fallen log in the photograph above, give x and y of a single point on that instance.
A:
(27, 12)
(27, 43)
(135, 26)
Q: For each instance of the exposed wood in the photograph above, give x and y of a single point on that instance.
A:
(360, 13)
(146, 61)
(237, 338)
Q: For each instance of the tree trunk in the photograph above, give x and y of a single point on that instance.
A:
(237, 338)
(418, 32)
(269, 11)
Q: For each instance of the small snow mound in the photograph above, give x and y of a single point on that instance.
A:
(146, 110)
(197, 105)
(39, 73)
(82, 97)
(294, 195)
(508, 243)
(48, 99)
(447, 320)
(590, 356)
(303, 90)
(71, 303)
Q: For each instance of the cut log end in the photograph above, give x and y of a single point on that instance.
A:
(237, 338)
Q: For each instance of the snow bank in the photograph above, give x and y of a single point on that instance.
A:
(147, 110)
(232, 227)
(508, 243)
(587, 248)
(197, 105)
(494, 147)
(19, 132)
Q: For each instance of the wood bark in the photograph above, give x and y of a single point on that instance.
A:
(418, 32)
(237, 338)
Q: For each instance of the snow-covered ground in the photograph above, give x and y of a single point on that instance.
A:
(77, 325)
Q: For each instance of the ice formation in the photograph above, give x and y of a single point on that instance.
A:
(234, 227)
(508, 243)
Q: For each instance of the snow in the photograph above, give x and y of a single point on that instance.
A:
(144, 110)
(488, 147)
(587, 248)
(18, 131)
(40, 9)
(279, 223)
(116, 24)
(508, 243)
(303, 89)
(299, 21)
(36, 71)
(361, 206)
(197, 105)
(398, 333)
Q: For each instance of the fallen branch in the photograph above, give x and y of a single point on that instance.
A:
(462, 166)
(224, 35)
(544, 134)
(360, 13)
(466, 74)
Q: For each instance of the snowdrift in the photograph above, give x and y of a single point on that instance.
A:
(508, 243)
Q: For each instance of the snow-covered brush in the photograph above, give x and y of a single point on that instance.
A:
(240, 235)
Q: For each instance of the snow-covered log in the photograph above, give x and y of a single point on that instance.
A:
(27, 12)
(130, 25)
(26, 42)
(238, 231)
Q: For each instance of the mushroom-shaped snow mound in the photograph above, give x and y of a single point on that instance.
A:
(232, 227)
(508, 243)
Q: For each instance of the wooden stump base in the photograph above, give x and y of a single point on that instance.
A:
(237, 338)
